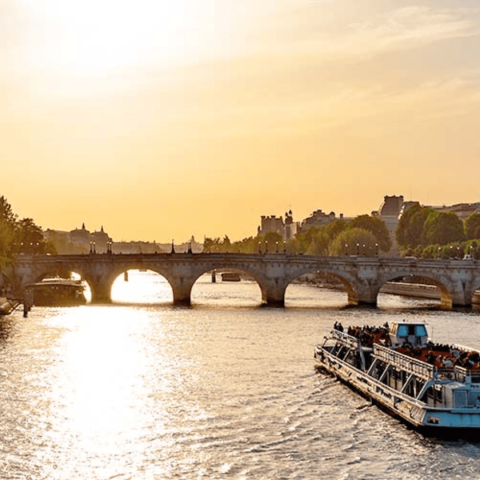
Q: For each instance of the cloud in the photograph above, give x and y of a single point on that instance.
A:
(407, 28)
(400, 29)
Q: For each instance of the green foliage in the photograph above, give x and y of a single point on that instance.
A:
(6, 213)
(354, 241)
(432, 251)
(456, 250)
(442, 228)
(472, 226)
(29, 238)
(410, 227)
(333, 229)
(377, 227)
(19, 236)
(314, 241)
(423, 226)
(319, 244)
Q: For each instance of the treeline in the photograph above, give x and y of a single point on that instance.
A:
(422, 232)
(427, 233)
(19, 235)
(364, 235)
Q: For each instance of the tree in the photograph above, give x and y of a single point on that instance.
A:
(442, 228)
(354, 241)
(319, 244)
(7, 232)
(29, 238)
(472, 226)
(375, 225)
(410, 226)
(6, 243)
(271, 240)
(333, 229)
(6, 213)
(212, 245)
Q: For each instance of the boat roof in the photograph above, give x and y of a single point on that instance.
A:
(409, 322)
(56, 282)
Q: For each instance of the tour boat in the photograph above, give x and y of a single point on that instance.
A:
(434, 388)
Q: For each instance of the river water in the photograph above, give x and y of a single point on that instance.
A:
(225, 389)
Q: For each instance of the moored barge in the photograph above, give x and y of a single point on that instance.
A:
(57, 292)
(432, 387)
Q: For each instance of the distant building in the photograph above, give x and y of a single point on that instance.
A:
(101, 240)
(462, 210)
(80, 237)
(390, 211)
(318, 219)
(287, 229)
(79, 240)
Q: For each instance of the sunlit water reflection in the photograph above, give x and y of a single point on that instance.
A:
(224, 389)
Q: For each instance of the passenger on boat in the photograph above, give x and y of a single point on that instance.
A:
(438, 361)
(338, 326)
(447, 363)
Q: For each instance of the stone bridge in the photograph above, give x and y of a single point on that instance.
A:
(363, 277)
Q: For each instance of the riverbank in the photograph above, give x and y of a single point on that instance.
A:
(418, 290)
(8, 306)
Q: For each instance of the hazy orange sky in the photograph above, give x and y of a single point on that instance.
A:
(162, 119)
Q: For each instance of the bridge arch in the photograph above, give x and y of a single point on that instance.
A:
(343, 278)
(141, 286)
(422, 280)
(209, 288)
(101, 285)
(225, 267)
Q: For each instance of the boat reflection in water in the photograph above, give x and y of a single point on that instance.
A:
(57, 292)
(433, 387)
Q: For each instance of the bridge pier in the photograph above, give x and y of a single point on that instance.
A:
(101, 292)
(183, 301)
(182, 291)
(365, 295)
(461, 295)
(273, 302)
(273, 291)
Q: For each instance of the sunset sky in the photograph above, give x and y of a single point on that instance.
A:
(165, 119)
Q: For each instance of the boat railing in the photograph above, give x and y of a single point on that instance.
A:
(460, 374)
(345, 338)
(425, 370)
(406, 363)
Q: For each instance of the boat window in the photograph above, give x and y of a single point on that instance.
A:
(402, 331)
(421, 331)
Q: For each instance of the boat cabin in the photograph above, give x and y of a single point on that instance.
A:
(413, 333)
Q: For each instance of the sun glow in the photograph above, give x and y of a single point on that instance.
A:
(98, 37)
